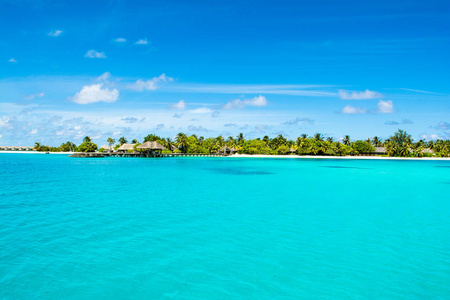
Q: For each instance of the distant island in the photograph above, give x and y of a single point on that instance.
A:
(400, 144)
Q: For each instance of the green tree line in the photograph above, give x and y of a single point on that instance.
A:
(400, 144)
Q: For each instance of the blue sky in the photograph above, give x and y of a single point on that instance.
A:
(129, 68)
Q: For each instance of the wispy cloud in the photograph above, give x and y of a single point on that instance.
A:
(419, 91)
(259, 101)
(32, 96)
(94, 54)
(105, 77)
(150, 84)
(297, 121)
(215, 114)
(197, 128)
(95, 93)
(55, 33)
(142, 42)
(282, 89)
(351, 110)
(385, 107)
(120, 40)
(130, 120)
(12, 60)
(201, 110)
(177, 116)
(402, 122)
(443, 126)
(354, 95)
(431, 137)
(179, 105)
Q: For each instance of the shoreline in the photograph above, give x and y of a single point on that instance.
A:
(36, 152)
(339, 157)
(281, 156)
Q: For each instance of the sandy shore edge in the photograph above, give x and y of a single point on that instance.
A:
(337, 157)
(279, 156)
(36, 152)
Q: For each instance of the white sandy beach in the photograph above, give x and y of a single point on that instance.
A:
(36, 152)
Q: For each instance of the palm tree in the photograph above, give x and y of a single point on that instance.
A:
(220, 141)
(37, 146)
(346, 140)
(134, 141)
(337, 148)
(182, 141)
(377, 142)
(303, 135)
(169, 143)
(401, 142)
(122, 141)
(318, 137)
(110, 142)
(330, 139)
(240, 138)
(87, 139)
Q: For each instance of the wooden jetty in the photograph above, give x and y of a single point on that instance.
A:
(141, 154)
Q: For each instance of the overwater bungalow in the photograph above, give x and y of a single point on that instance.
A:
(152, 148)
(126, 147)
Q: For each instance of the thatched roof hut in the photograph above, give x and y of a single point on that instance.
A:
(428, 150)
(227, 150)
(151, 146)
(126, 147)
(108, 147)
(380, 150)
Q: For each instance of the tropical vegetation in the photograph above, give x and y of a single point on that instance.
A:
(400, 144)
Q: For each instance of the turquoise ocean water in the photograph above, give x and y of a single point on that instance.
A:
(223, 228)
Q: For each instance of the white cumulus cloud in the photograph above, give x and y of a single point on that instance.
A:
(352, 95)
(385, 107)
(12, 60)
(94, 54)
(351, 110)
(95, 93)
(179, 105)
(142, 42)
(120, 40)
(151, 84)
(240, 104)
(55, 33)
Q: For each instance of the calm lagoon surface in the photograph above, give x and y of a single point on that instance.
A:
(221, 228)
